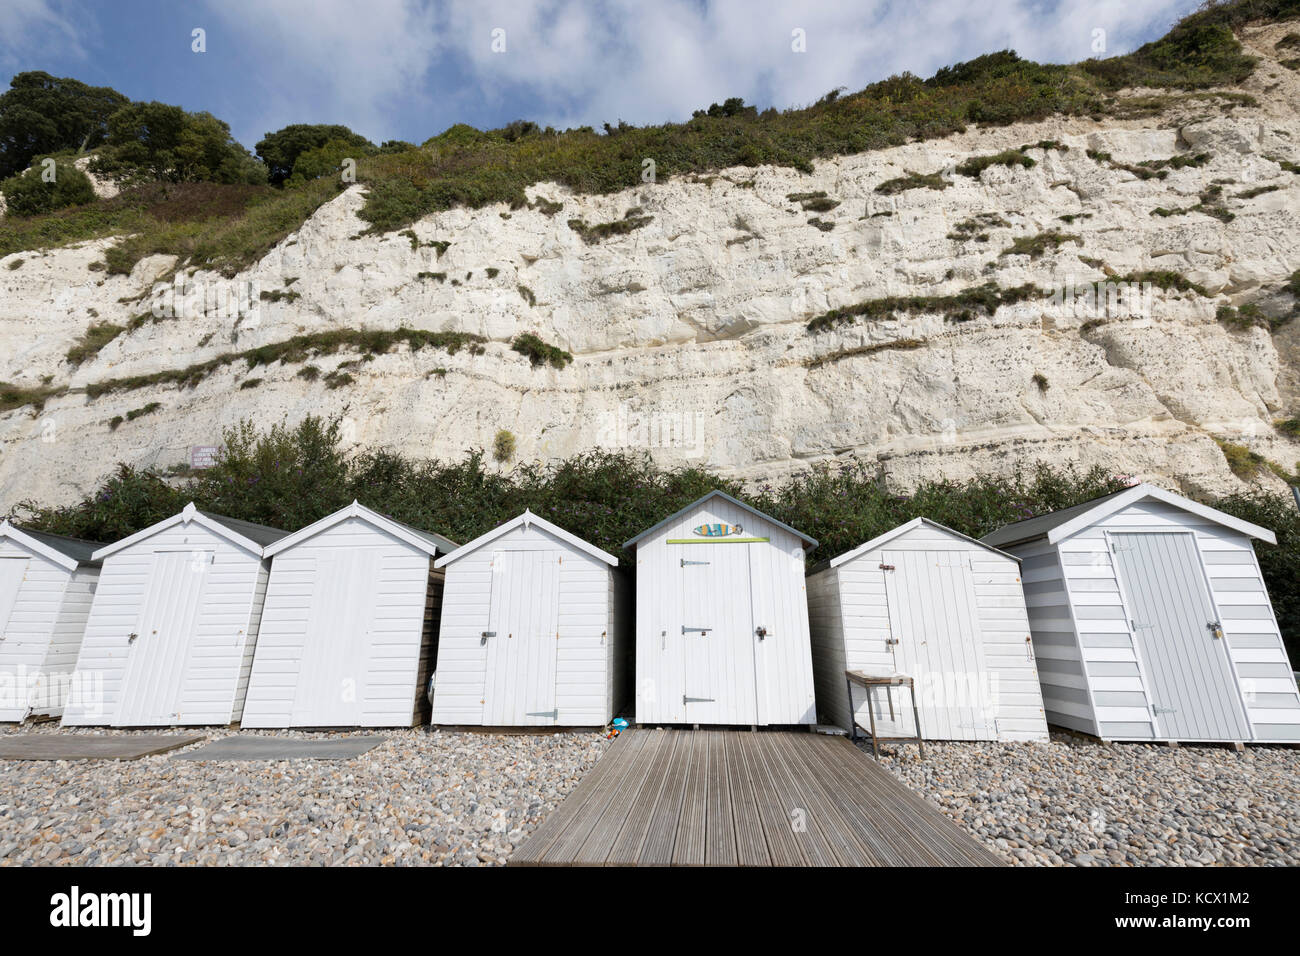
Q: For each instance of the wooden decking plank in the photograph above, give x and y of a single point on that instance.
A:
(726, 797)
(626, 849)
(608, 815)
(961, 848)
(774, 818)
(559, 842)
(851, 816)
(895, 824)
(688, 848)
(719, 827)
(751, 845)
(595, 848)
(823, 802)
(661, 834)
(535, 847)
(912, 820)
(794, 797)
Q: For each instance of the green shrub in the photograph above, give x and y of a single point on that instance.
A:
(1009, 157)
(891, 187)
(592, 234)
(289, 477)
(92, 341)
(539, 352)
(29, 195)
(503, 446)
(1039, 245)
(957, 307)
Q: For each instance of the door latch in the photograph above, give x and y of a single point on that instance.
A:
(891, 640)
(886, 567)
(486, 635)
(130, 638)
(1216, 629)
(761, 632)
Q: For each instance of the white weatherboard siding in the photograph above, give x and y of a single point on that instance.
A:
(43, 608)
(729, 675)
(556, 655)
(342, 633)
(958, 615)
(189, 596)
(1103, 678)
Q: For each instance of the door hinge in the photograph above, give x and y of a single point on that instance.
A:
(886, 567)
(685, 562)
(553, 714)
(696, 700)
(702, 630)
(1158, 710)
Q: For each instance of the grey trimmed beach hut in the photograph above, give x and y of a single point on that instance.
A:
(1151, 621)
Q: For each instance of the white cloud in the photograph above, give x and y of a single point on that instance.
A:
(32, 27)
(376, 64)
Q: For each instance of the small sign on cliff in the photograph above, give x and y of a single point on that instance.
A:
(203, 456)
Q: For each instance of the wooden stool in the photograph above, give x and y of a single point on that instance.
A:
(888, 681)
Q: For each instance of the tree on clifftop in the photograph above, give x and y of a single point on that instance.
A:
(42, 114)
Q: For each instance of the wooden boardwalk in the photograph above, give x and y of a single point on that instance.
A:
(738, 798)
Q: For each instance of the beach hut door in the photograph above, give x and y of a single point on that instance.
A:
(1173, 620)
(159, 647)
(939, 644)
(12, 651)
(337, 654)
(717, 634)
(522, 640)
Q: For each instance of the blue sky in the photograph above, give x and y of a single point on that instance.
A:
(407, 69)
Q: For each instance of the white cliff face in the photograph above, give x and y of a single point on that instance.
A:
(690, 336)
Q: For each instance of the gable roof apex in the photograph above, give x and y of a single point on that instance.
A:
(809, 542)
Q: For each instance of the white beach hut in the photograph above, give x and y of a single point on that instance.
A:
(350, 625)
(46, 585)
(1151, 621)
(947, 611)
(536, 630)
(722, 618)
(172, 628)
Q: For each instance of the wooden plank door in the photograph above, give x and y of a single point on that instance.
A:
(717, 632)
(522, 642)
(158, 654)
(934, 619)
(14, 652)
(332, 682)
(1192, 688)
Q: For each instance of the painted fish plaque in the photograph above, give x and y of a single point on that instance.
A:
(718, 530)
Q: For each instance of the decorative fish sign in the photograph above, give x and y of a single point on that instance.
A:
(718, 530)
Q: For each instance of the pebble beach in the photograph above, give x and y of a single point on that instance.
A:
(419, 798)
(1076, 801)
(463, 799)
